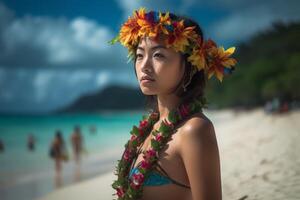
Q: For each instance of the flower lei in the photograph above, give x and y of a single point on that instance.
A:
(131, 188)
(204, 55)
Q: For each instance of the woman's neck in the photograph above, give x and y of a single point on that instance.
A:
(166, 103)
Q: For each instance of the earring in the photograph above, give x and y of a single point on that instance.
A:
(184, 86)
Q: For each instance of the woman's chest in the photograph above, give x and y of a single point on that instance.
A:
(168, 155)
(170, 161)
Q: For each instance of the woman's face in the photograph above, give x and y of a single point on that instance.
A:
(162, 65)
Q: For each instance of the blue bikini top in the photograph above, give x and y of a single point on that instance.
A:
(156, 178)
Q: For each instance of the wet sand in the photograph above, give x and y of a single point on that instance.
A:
(260, 159)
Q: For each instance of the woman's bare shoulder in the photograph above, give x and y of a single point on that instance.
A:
(198, 150)
(197, 122)
(199, 129)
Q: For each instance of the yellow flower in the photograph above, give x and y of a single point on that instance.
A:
(219, 58)
(205, 55)
(164, 20)
(180, 36)
(147, 23)
(197, 58)
(129, 33)
(199, 53)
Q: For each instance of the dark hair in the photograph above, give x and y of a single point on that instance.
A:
(77, 128)
(195, 89)
(59, 136)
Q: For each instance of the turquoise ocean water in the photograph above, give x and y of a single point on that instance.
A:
(19, 168)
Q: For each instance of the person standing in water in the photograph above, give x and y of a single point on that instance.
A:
(76, 141)
(31, 142)
(59, 154)
(1, 146)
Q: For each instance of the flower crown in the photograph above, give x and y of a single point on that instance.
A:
(204, 55)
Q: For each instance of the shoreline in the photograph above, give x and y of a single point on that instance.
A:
(38, 184)
(258, 153)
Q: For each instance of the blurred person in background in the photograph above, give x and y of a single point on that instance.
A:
(31, 142)
(77, 141)
(1, 146)
(58, 153)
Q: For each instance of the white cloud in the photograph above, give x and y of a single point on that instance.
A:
(41, 83)
(103, 78)
(243, 24)
(41, 42)
(79, 76)
(41, 90)
(88, 33)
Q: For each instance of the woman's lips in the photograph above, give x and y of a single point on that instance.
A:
(146, 81)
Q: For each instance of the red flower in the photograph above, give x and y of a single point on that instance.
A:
(150, 154)
(171, 125)
(120, 192)
(184, 111)
(133, 137)
(127, 155)
(143, 124)
(141, 131)
(137, 180)
(145, 164)
(158, 137)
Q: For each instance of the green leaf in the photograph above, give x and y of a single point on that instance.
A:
(114, 40)
(155, 132)
(115, 184)
(144, 117)
(135, 130)
(164, 128)
(155, 144)
(172, 117)
(142, 170)
(134, 143)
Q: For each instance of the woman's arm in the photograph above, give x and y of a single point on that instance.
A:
(199, 152)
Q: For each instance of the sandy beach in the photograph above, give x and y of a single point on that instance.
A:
(259, 159)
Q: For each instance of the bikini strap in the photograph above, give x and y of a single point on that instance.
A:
(167, 175)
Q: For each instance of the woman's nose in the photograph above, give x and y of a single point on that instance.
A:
(146, 64)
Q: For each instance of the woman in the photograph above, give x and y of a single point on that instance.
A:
(76, 141)
(173, 153)
(58, 151)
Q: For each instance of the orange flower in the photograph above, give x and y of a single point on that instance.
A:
(205, 55)
(164, 20)
(199, 54)
(220, 58)
(148, 23)
(180, 36)
(129, 33)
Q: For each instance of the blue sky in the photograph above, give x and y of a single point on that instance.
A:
(54, 51)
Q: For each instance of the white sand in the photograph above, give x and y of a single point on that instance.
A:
(95, 189)
(259, 159)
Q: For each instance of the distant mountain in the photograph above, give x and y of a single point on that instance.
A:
(110, 98)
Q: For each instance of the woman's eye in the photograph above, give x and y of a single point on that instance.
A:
(159, 55)
(139, 56)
